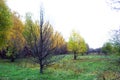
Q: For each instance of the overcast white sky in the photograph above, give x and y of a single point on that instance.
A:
(93, 19)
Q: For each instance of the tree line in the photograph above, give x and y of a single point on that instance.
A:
(36, 39)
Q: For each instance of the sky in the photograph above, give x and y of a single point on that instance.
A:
(93, 19)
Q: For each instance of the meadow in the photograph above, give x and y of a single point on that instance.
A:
(88, 67)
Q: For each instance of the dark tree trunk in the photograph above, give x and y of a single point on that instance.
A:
(75, 56)
(41, 40)
(12, 59)
(41, 68)
(104, 77)
(82, 54)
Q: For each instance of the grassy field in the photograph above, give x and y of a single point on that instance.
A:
(84, 68)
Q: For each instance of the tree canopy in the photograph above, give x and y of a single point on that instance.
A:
(76, 44)
(16, 39)
(115, 40)
(5, 23)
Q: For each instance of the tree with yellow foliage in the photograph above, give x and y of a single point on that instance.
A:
(16, 39)
(60, 43)
(5, 23)
(76, 44)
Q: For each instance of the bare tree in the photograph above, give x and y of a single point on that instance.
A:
(43, 42)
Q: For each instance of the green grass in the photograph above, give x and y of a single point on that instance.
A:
(84, 68)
